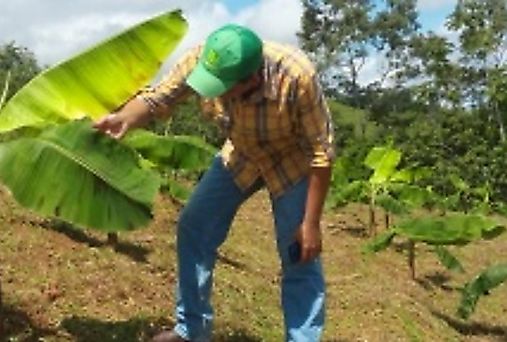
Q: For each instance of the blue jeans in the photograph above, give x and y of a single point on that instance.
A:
(203, 227)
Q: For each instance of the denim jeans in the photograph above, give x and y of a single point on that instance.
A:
(203, 227)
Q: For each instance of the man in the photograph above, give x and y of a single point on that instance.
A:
(267, 99)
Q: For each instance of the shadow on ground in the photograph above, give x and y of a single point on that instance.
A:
(15, 325)
(85, 329)
(134, 252)
(436, 280)
(470, 328)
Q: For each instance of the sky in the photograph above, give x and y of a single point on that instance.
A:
(57, 29)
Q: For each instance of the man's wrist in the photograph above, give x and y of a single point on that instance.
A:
(314, 222)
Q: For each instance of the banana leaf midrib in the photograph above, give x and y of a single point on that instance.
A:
(76, 157)
(3, 97)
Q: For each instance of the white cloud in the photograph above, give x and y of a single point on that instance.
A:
(56, 29)
(371, 69)
(277, 20)
(57, 40)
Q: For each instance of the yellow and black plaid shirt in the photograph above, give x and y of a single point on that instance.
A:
(277, 132)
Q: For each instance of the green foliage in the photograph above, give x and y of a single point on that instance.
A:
(98, 80)
(448, 259)
(80, 175)
(482, 25)
(172, 156)
(454, 229)
(176, 152)
(379, 242)
(481, 285)
(188, 120)
(457, 229)
(18, 65)
(468, 175)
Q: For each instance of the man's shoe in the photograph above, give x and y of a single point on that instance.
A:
(168, 336)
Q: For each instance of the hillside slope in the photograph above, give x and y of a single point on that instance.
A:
(61, 284)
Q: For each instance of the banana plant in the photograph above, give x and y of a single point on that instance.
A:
(481, 285)
(383, 161)
(58, 165)
(387, 186)
(453, 230)
(170, 156)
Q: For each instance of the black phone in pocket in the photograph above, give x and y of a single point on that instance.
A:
(295, 252)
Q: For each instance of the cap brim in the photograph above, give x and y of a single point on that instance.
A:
(207, 84)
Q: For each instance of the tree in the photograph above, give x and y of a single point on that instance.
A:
(337, 35)
(438, 80)
(18, 62)
(482, 28)
(340, 35)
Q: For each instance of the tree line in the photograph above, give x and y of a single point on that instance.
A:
(440, 99)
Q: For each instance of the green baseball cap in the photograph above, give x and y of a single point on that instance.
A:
(231, 54)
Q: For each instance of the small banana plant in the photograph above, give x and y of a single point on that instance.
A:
(453, 230)
(387, 186)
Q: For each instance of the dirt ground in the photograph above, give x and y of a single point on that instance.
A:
(63, 284)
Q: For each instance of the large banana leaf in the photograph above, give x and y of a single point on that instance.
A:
(174, 152)
(98, 80)
(481, 285)
(75, 173)
(456, 229)
(449, 230)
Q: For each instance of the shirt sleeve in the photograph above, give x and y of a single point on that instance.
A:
(315, 122)
(173, 87)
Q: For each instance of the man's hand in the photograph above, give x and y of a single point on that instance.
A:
(113, 125)
(309, 235)
(310, 239)
(135, 113)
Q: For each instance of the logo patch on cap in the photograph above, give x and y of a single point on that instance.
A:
(211, 59)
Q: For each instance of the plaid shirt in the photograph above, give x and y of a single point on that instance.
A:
(277, 132)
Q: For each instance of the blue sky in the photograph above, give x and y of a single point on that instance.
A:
(237, 5)
(434, 18)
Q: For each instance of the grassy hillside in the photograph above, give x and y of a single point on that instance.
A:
(357, 118)
(64, 285)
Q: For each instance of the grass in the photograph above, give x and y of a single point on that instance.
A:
(60, 284)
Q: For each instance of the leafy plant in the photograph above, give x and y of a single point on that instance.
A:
(457, 229)
(386, 186)
(66, 169)
(482, 284)
(171, 156)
